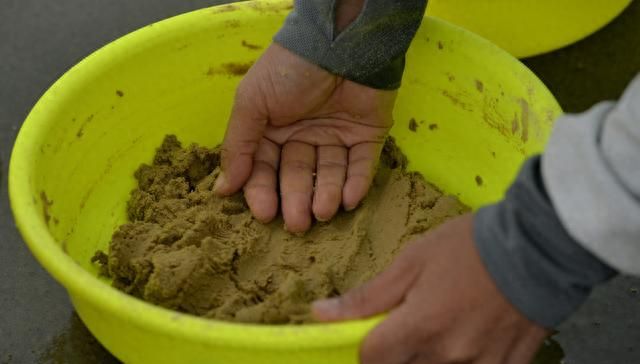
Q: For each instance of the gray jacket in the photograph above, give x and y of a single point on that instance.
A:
(570, 221)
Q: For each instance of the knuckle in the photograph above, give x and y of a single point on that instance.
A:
(329, 187)
(234, 148)
(296, 194)
(359, 178)
(297, 166)
(257, 186)
(261, 163)
(332, 165)
(454, 351)
(362, 161)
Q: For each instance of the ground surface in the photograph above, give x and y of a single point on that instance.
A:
(39, 40)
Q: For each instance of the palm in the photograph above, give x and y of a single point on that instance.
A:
(294, 119)
(341, 116)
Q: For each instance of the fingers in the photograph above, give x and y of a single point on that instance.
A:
(392, 342)
(363, 159)
(331, 174)
(261, 190)
(297, 165)
(241, 140)
(379, 295)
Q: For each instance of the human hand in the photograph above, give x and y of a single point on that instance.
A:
(444, 307)
(318, 135)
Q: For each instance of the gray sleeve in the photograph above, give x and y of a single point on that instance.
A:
(531, 257)
(592, 172)
(571, 219)
(370, 51)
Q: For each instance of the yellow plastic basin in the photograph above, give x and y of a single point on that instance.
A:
(529, 27)
(479, 111)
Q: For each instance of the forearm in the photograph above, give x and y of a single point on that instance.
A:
(366, 46)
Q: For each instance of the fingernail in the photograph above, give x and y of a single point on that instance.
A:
(349, 208)
(321, 219)
(328, 307)
(220, 183)
(298, 234)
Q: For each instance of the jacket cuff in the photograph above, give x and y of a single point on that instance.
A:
(371, 51)
(532, 258)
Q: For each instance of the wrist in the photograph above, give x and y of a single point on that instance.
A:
(371, 48)
(533, 259)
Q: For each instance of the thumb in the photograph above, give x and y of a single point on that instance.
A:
(379, 295)
(244, 131)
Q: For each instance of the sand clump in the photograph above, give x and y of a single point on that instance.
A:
(188, 250)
